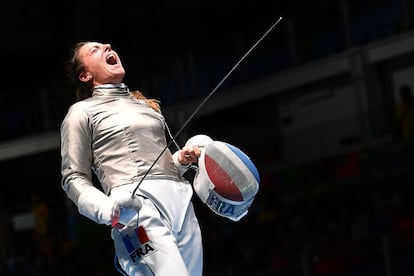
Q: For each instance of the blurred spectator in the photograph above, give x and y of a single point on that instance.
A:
(41, 217)
(405, 112)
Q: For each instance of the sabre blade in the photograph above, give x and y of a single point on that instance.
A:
(205, 100)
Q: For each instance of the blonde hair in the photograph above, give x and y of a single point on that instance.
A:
(153, 103)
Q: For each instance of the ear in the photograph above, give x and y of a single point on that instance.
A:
(85, 77)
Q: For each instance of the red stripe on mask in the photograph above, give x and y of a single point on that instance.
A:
(221, 180)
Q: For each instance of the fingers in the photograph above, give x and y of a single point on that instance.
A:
(190, 154)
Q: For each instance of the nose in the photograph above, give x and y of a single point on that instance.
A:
(107, 47)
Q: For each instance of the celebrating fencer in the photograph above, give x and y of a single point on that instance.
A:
(119, 135)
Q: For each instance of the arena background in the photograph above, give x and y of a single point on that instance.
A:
(313, 105)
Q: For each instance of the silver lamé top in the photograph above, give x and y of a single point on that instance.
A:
(116, 136)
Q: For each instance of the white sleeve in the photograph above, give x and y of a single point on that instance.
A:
(182, 168)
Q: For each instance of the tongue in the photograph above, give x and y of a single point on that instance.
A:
(111, 61)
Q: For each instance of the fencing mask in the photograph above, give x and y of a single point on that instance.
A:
(227, 181)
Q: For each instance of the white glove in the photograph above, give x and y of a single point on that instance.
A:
(129, 205)
(125, 199)
(97, 206)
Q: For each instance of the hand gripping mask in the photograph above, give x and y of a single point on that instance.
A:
(227, 180)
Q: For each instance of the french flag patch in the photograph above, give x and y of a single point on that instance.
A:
(138, 244)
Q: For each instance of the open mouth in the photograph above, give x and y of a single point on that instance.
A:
(111, 60)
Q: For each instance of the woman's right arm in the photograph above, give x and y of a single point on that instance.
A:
(76, 170)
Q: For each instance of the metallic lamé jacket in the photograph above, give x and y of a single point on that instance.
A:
(116, 136)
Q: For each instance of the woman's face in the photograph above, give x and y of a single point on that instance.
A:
(102, 65)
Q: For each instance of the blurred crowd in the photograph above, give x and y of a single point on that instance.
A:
(355, 223)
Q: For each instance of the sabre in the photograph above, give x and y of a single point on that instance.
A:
(204, 101)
